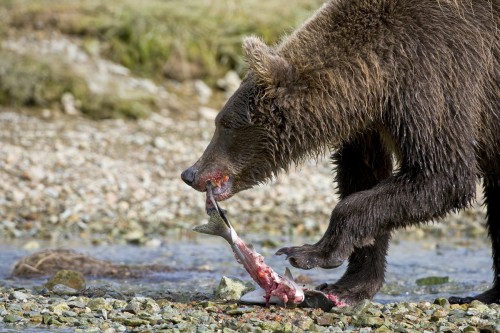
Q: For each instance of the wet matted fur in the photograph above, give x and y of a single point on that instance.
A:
(417, 80)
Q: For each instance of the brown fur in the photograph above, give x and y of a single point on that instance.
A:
(415, 79)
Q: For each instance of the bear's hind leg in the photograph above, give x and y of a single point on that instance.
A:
(492, 201)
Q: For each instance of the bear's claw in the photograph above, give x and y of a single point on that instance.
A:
(309, 256)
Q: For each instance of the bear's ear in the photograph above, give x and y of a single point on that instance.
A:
(272, 70)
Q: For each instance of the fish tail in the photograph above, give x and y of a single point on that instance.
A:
(215, 226)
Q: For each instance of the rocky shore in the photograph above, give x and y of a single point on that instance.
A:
(117, 181)
(21, 309)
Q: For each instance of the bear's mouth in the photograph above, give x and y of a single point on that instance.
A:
(220, 188)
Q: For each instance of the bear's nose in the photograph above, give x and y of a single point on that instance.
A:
(188, 176)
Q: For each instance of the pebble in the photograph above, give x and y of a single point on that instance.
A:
(229, 83)
(18, 295)
(203, 90)
(61, 289)
(232, 288)
(68, 103)
(12, 318)
(160, 143)
(208, 113)
(31, 245)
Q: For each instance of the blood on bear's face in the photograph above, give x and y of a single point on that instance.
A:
(240, 154)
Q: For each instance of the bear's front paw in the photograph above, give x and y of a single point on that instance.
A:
(310, 256)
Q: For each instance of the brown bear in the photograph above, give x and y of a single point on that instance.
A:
(405, 93)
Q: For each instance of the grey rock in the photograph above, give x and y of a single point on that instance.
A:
(18, 295)
(11, 318)
(160, 142)
(232, 288)
(68, 103)
(203, 90)
(61, 289)
(134, 306)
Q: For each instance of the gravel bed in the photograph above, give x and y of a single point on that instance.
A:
(21, 309)
(83, 177)
(115, 181)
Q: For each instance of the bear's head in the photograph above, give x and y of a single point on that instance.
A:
(259, 131)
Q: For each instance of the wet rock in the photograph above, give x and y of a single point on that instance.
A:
(327, 319)
(68, 278)
(135, 322)
(490, 328)
(239, 311)
(228, 330)
(119, 304)
(443, 302)
(31, 245)
(11, 318)
(70, 313)
(134, 306)
(372, 321)
(150, 306)
(232, 288)
(58, 309)
(78, 303)
(272, 326)
(98, 304)
(479, 307)
(432, 280)
(304, 323)
(18, 295)
(63, 290)
(439, 313)
(135, 236)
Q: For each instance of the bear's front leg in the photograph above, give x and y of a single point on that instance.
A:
(360, 165)
(398, 201)
(335, 246)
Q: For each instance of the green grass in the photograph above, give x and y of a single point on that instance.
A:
(179, 39)
(158, 39)
(28, 81)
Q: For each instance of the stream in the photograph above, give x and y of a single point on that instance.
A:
(200, 263)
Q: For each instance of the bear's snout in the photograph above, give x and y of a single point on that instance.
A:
(188, 176)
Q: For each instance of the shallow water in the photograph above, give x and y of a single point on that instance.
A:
(200, 264)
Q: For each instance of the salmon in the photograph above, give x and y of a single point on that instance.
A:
(274, 284)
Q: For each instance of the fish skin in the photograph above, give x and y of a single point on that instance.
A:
(273, 284)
